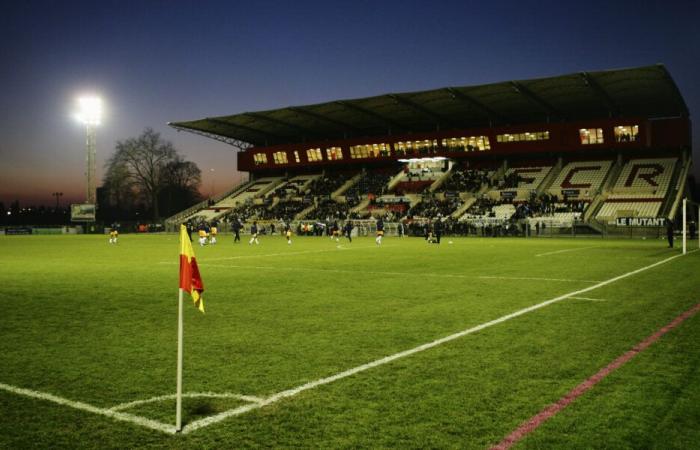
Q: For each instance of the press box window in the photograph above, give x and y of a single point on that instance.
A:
(467, 144)
(334, 153)
(591, 135)
(314, 154)
(369, 151)
(626, 133)
(280, 157)
(260, 158)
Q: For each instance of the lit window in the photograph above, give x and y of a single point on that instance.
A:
(314, 154)
(369, 150)
(334, 153)
(260, 158)
(296, 156)
(626, 133)
(526, 136)
(591, 135)
(280, 157)
(467, 144)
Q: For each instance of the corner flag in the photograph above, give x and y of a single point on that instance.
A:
(190, 280)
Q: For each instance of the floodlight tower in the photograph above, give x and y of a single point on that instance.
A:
(90, 114)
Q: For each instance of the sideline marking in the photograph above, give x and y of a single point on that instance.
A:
(169, 429)
(313, 384)
(226, 258)
(245, 398)
(590, 299)
(547, 413)
(566, 250)
(125, 417)
(537, 279)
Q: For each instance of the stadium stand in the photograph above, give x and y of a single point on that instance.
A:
(585, 147)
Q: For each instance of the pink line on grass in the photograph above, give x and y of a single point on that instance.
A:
(535, 421)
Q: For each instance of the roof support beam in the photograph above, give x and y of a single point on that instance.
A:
(345, 126)
(305, 131)
(388, 122)
(546, 107)
(492, 115)
(240, 145)
(267, 137)
(421, 109)
(601, 94)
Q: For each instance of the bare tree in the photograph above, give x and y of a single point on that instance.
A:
(147, 165)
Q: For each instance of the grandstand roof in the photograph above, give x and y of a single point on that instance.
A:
(646, 92)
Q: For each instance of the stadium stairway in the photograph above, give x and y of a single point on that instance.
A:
(172, 222)
(305, 212)
(395, 180)
(457, 213)
(444, 177)
(551, 176)
(347, 185)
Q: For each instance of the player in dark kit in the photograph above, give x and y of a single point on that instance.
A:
(437, 228)
(347, 230)
(236, 228)
(669, 232)
(254, 233)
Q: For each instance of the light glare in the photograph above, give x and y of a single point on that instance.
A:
(90, 110)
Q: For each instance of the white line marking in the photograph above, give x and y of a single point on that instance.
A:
(567, 250)
(590, 299)
(402, 274)
(313, 384)
(538, 279)
(245, 398)
(125, 417)
(227, 258)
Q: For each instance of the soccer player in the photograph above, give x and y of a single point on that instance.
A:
(254, 233)
(380, 231)
(202, 235)
(236, 228)
(113, 235)
(212, 234)
(348, 230)
(288, 233)
(335, 231)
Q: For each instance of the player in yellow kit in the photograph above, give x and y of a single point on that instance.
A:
(212, 233)
(113, 235)
(202, 235)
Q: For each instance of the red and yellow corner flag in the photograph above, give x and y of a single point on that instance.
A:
(190, 280)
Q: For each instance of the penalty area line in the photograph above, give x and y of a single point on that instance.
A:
(550, 411)
(201, 423)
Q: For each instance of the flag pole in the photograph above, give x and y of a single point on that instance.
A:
(178, 414)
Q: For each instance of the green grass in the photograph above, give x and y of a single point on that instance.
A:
(96, 323)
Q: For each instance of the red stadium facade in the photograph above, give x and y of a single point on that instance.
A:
(656, 136)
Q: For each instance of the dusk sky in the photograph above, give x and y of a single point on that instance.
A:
(158, 61)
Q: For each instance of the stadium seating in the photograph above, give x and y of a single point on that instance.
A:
(585, 176)
(613, 209)
(640, 189)
(650, 177)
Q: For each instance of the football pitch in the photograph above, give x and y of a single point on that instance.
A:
(321, 344)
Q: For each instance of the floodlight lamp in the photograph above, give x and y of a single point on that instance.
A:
(90, 110)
